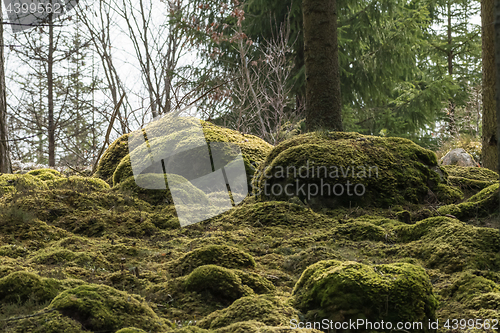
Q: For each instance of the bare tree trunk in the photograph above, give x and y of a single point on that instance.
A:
(490, 139)
(497, 55)
(5, 165)
(50, 88)
(321, 53)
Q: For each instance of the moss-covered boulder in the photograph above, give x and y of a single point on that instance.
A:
(22, 286)
(78, 183)
(335, 168)
(269, 310)
(349, 290)
(221, 282)
(450, 245)
(103, 308)
(470, 178)
(116, 160)
(10, 183)
(45, 174)
(221, 255)
(111, 158)
(481, 204)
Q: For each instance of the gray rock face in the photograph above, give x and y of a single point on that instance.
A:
(458, 157)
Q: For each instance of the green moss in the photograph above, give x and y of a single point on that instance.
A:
(45, 174)
(349, 290)
(111, 157)
(481, 204)
(221, 255)
(19, 224)
(257, 283)
(103, 308)
(450, 245)
(390, 170)
(258, 327)
(51, 322)
(474, 173)
(358, 231)
(13, 251)
(10, 183)
(266, 309)
(448, 194)
(219, 281)
(22, 285)
(162, 197)
(273, 213)
(61, 256)
(78, 183)
(253, 149)
(131, 330)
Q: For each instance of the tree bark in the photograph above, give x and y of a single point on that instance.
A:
(323, 102)
(50, 83)
(490, 139)
(497, 60)
(5, 164)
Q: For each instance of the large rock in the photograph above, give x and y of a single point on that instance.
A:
(458, 157)
(326, 170)
(343, 291)
(115, 167)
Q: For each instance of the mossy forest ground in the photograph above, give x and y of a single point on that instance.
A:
(96, 254)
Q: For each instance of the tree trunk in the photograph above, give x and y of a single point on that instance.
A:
(50, 79)
(5, 165)
(497, 55)
(323, 103)
(489, 140)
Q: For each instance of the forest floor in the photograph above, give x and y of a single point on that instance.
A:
(80, 254)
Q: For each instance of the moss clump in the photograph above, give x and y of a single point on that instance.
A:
(266, 309)
(470, 179)
(358, 231)
(131, 330)
(61, 256)
(256, 282)
(78, 183)
(221, 282)
(19, 224)
(253, 149)
(449, 244)
(221, 255)
(51, 322)
(45, 174)
(448, 194)
(103, 308)
(258, 327)
(274, 213)
(481, 204)
(187, 191)
(111, 157)
(349, 290)
(10, 183)
(341, 169)
(23, 286)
